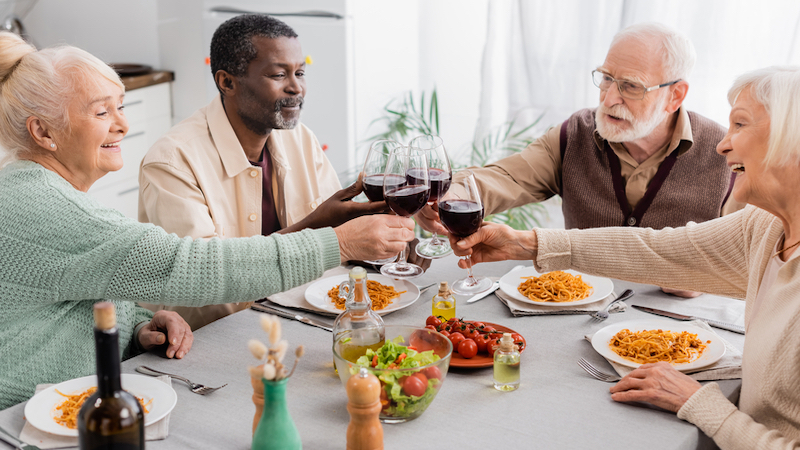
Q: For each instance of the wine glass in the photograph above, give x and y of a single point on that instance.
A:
(461, 212)
(405, 195)
(372, 180)
(439, 176)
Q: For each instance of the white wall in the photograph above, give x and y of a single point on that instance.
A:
(116, 31)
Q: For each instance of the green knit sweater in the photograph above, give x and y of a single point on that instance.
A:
(61, 251)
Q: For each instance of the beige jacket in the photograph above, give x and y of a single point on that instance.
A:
(196, 181)
(726, 256)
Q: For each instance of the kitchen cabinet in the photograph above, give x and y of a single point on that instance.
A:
(149, 113)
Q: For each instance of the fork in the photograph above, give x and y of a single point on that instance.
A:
(194, 387)
(595, 372)
(18, 444)
(603, 315)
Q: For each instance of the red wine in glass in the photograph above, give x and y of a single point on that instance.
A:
(373, 185)
(461, 217)
(407, 200)
(439, 179)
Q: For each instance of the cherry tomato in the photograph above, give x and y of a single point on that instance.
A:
(474, 334)
(414, 386)
(445, 333)
(456, 339)
(481, 341)
(491, 346)
(489, 329)
(516, 337)
(478, 325)
(422, 377)
(433, 320)
(432, 372)
(467, 348)
(430, 327)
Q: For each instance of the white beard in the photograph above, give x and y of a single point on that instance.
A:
(638, 129)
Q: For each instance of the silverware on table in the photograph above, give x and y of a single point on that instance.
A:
(6, 437)
(597, 373)
(676, 316)
(290, 315)
(603, 314)
(495, 286)
(422, 289)
(194, 387)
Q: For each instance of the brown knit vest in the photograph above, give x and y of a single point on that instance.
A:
(694, 190)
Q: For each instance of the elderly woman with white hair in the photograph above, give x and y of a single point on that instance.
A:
(751, 254)
(61, 123)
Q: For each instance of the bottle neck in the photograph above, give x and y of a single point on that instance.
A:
(360, 299)
(107, 355)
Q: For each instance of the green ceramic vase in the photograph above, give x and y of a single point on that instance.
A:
(276, 430)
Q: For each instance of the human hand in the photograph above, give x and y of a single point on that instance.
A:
(495, 242)
(338, 209)
(374, 237)
(414, 258)
(163, 325)
(659, 384)
(681, 292)
(428, 219)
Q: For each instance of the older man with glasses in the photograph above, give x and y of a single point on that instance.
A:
(638, 159)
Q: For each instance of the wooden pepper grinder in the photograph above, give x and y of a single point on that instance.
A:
(365, 431)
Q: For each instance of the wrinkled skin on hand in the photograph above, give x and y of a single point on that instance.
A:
(374, 237)
(659, 384)
(167, 325)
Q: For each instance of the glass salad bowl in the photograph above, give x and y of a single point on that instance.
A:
(411, 366)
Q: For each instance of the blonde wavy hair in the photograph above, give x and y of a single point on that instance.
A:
(777, 88)
(40, 84)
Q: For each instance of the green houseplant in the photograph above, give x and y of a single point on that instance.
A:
(405, 117)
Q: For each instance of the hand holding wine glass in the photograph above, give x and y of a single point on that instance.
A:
(462, 214)
(373, 176)
(439, 177)
(405, 198)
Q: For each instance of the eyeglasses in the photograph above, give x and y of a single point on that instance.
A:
(627, 89)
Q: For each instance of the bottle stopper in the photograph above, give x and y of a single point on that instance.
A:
(358, 273)
(506, 343)
(444, 289)
(104, 317)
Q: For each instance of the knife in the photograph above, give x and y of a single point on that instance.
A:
(484, 294)
(672, 315)
(285, 314)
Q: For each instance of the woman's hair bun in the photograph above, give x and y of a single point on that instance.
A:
(12, 49)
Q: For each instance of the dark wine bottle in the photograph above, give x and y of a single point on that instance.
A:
(111, 418)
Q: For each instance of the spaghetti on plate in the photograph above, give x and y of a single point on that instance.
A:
(381, 295)
(651, 346)
(556, 286)
(70, 407)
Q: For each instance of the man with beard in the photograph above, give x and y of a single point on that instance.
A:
(244, 165)
(639, 159)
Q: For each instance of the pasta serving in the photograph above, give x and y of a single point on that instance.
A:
(70, 407)
(381, 295)
(650, 346)
(556, 286)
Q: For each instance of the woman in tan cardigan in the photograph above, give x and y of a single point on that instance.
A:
(751, 254)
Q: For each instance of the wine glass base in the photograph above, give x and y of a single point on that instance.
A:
(428, 248)
(465, 286)
(406, 271)
(380, 262)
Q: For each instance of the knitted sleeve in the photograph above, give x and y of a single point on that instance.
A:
(730, 428)
(708, 257)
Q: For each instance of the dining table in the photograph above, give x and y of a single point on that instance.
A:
(557, 405)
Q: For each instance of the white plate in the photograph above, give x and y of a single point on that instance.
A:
(317, 293)
(39, 411)
(712, 353)
(603, 287)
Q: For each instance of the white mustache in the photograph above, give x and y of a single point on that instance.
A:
(618, 111)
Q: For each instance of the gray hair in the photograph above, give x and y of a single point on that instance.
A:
(677, 51)
(40, 84)
(777, 88)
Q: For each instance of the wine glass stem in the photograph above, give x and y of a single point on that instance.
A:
(471, 281)
(401, 261)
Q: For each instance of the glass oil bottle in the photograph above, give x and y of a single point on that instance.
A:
(443, 304)
(361, 326)
(506, 365)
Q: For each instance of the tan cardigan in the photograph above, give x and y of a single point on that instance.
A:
(725, 256)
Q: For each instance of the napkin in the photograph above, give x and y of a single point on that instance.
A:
(519, 308)
(33, 436)
(296, 297)
(729, 367)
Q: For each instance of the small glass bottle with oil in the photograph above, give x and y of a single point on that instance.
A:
(443, 303)
(358, 325)
(506, 365)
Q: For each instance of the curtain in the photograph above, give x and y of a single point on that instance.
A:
(539, 54)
